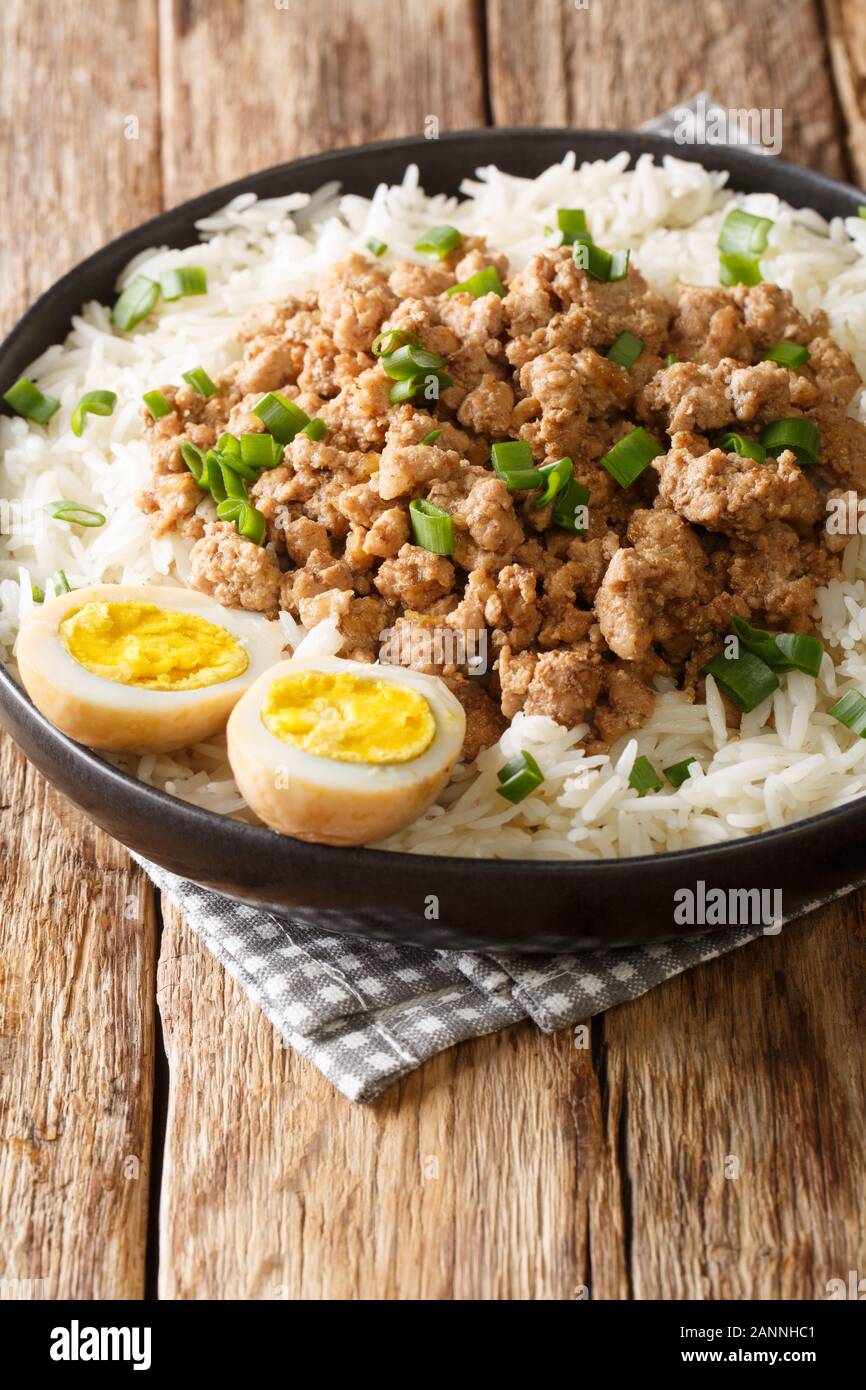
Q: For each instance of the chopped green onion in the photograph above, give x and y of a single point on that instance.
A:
(59, 583)
(92, 403)
(27, 400)
(280, 417)
(519, 777)
(801, 436)
(483, 282)
(156, 404)
(671, 359)
(513, 463)
(229, 444)
(625, 350)
(744, 234)
(250, 522)
(77, 513)
(431, 437)
(261, 450)
(572, 496)
(627, 460)
(232, 481)
(212, 477)
(409, 360)
(851, 711)
(376, 247)
(739, 270)
(678, 773)
(644, 778)
(745, 679)
(315, 430)
(439, 241)
(600, 264)
(200, 382)
(195, 462)
(781, 651)
(182, 281)
(230, 508)
(37, 594)
(572, 223)
(787, 354)
(237, 463)
(432, 528)
(135, 303)
(386, 342)
(405, 390)
(746, 448)
(557, 476)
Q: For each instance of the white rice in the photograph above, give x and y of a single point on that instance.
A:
(790, 758)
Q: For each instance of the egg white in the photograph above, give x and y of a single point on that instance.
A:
(120, 718)
(332, 802)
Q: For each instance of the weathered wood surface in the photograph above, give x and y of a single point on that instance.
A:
(706, 1143)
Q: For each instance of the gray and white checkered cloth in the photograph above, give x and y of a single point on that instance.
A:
(366, 1013)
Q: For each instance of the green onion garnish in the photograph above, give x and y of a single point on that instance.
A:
(59, 583)
(513, 463)
(432, 528)
(556, 476)
(281, 417)
(744, 234)
(746, 448)
(439, 241)
(644, 778)
(625, 350)
(37, 594)
(801, 436)
(183, 280)
(315, 430)
(565, 507)
(200, 382)
(212, 476)
(27, 400)
(92, 403)
(627, 460)
(386, 342)
(195, 462)
(678, 773)
(261, 450)
(572, 223)
(781, 651)
(671, 359)
(600, 264)
(520, 776)
(156, 404)
(851, 711)
(409, 360)
(250, 522)
(74, 512)
(745, 679)
(739, 270)
(483, 282)
(135, 303)
(376, 247)
(405, 390)
(230, 445)
(787, 354)
(431, 437)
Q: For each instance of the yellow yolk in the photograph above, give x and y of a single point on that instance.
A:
(152, 648)
(349, 718)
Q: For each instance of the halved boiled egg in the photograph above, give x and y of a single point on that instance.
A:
(343, 752)
(142, 669)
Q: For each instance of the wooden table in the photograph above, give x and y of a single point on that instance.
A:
(156, 1136)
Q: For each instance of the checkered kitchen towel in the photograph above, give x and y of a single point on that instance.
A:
(367, 1013)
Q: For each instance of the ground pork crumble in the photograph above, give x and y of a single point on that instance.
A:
(574, 626)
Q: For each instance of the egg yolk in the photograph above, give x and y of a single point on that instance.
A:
(151, 648)
(349, 718)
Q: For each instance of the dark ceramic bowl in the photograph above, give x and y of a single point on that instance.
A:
(488, 904)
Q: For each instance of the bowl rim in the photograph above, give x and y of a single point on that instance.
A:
(188, 818)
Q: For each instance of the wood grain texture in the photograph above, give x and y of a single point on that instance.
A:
(846, 37)
(620, 64)
(76, 918)
(306, 77)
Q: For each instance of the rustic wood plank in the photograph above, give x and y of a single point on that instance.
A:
(846, 36)
(618, 65)
(76, 918)
(308, 76)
